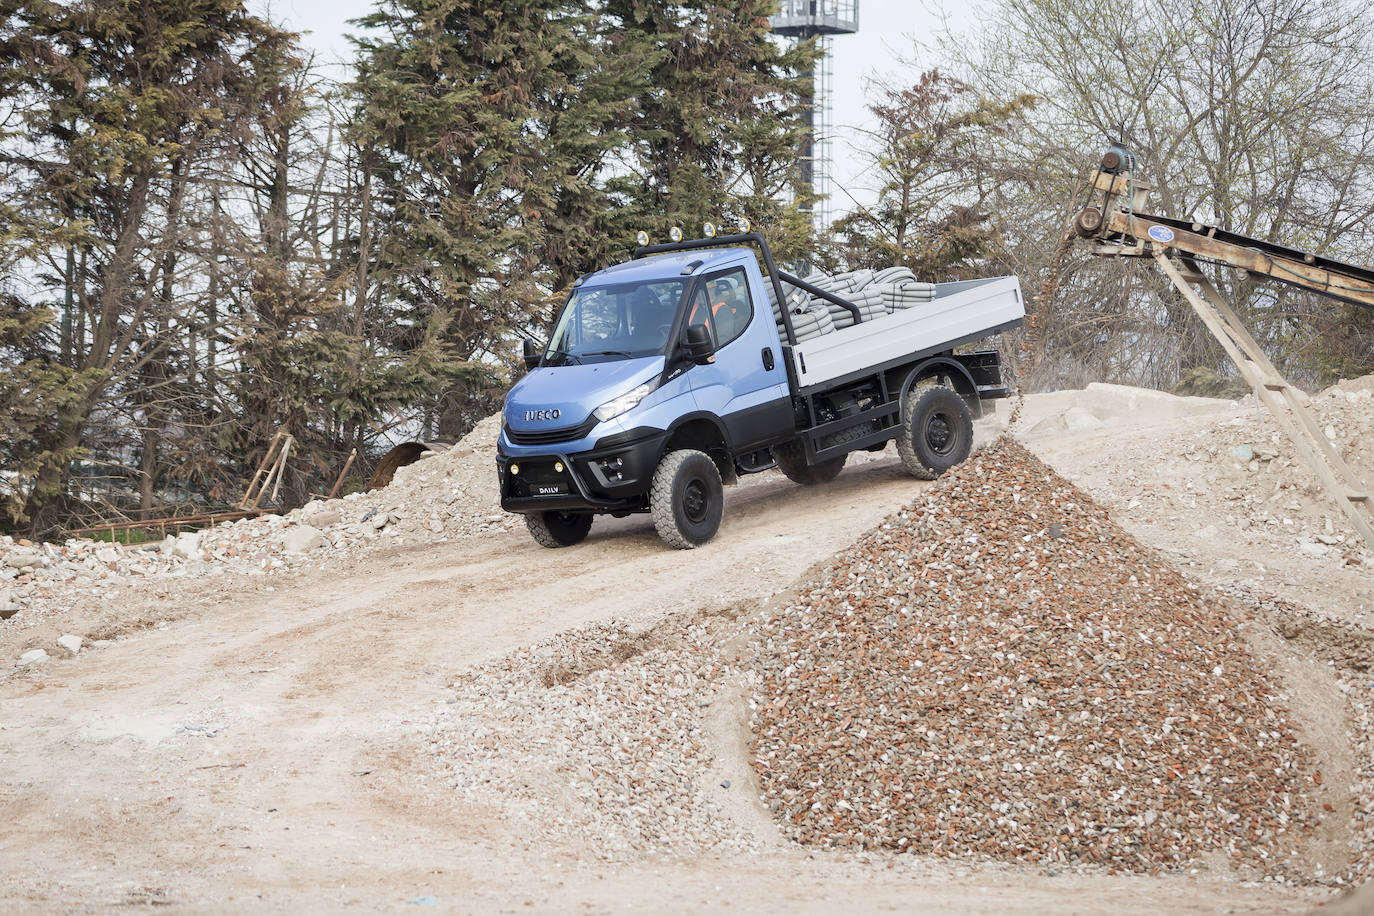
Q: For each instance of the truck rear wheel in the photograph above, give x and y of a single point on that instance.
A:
(937, 432)
(791, 458)
(687, 499)
(792, 462)
(558, 529)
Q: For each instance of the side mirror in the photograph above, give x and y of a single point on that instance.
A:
(532, 354)
(700, 348)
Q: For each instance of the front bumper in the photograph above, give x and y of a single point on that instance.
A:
(614, 476)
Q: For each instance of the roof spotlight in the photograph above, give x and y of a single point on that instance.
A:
(675, 233)
(642, 238)
(742, 225)
(709, 230)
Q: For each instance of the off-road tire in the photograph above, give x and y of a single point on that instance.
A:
(558, 529)
(687, 499)
(791, 458)
(937, 432)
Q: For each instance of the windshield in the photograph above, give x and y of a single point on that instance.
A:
(615, 322)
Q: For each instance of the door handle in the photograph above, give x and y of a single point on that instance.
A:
(768, 359)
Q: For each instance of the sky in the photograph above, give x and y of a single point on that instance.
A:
(890, 32)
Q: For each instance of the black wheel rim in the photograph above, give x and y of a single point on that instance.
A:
(939, 434)
(695, 500)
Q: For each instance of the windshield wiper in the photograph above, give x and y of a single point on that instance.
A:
(609, 353)
(568, 358)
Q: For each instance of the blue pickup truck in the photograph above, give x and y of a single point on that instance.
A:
(668, 376)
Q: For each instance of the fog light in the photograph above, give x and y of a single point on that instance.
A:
(515, 469)
(558, 466)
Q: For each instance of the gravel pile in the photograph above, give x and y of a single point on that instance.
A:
(1347, 649)
(449, 496)
(595, 739)
(1000, 670)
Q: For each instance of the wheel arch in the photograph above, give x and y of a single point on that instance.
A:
(703, 432)
(959, 376)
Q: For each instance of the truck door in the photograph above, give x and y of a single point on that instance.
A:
(746, 385)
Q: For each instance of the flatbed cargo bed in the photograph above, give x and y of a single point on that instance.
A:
(960, 313)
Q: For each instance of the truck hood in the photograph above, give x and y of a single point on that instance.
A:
(574, 391)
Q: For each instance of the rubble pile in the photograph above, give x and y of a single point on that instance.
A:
(595, 738)
(1242, 473)
(1000, 670)
(1347, 649)
(447, 496)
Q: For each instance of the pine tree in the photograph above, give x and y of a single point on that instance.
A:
(122, 98)
(483, 123)
(937, 170)
(718, 132)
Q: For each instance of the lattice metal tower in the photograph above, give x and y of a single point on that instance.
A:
(821, 19)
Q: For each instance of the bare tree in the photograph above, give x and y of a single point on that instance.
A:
(1249, 114)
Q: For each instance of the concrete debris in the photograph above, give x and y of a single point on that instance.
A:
(71, 642)
(302, 538)
(1234, 466)
(324, 518)
(1080, 418)
(959, 683)
(448, 496)
(596, 737)
(33, 657)
(187, 545)
(25, 557)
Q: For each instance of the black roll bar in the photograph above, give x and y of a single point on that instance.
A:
(754, 238)
(746, 238)
(824, 294)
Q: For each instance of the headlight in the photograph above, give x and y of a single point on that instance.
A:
(615, 408)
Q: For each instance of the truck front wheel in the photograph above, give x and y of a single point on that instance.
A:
(558, 529)
(937, 432)
(687, 499)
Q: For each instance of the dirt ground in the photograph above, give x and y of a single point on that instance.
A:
(257, 744)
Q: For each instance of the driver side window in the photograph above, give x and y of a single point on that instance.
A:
(731, 306)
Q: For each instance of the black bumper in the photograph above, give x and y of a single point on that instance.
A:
(615, 476)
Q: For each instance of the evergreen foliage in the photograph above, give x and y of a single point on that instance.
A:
(717, 131)
(246, 250)
(202, 241)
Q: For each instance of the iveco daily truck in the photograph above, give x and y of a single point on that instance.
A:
(668, 376)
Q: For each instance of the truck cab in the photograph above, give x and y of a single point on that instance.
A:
(664, 378)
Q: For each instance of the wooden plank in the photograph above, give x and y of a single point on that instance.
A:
(342, 474)
(275, 473)
(266, 459)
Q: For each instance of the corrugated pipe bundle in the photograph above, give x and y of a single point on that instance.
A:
(807, 320)
(876, 293)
